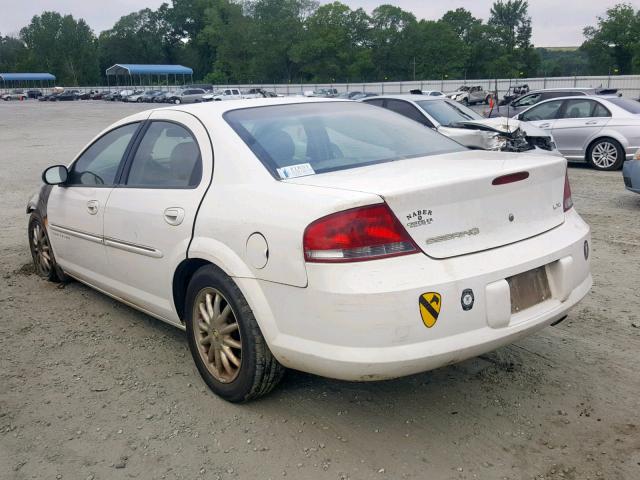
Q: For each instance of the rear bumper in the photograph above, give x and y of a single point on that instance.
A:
(631, 175)
(362, 321)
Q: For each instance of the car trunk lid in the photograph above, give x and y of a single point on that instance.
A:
(450, 204)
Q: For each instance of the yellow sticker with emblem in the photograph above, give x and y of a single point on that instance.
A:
(430, 303)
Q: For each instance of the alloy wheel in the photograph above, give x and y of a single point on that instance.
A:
(604, 155)
(41, 250)
(217, 335)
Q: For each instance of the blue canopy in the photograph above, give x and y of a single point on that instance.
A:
(21, 77)
(135, 69)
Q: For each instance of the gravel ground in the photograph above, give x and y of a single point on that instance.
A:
(91, 389)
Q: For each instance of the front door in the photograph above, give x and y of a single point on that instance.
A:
(149, 218)
(75, 210)
(543, 115)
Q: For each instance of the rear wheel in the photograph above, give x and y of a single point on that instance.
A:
(177, 101)
(225, 341)
(605, 154)
(44, 261)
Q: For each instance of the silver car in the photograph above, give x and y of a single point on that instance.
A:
(603, 131)
(189, 95)
(465, 126)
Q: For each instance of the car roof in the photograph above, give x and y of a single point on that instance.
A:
(412, 97)
(221, 108)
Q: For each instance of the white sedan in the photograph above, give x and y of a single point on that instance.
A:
(322, 235)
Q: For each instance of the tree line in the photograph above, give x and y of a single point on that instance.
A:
(279, 41)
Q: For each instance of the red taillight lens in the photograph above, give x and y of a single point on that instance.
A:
(567, 201)
(364, 233)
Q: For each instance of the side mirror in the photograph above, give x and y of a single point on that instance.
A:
(55, 175)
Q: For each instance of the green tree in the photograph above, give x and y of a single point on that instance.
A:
(512, 28)
(391, 48)
(615, 41)
(334, 46)
(436, 49)
(61, 45)
(279, 27)
(12, 52)
(139, 37)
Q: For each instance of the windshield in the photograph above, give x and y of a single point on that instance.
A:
(448, 113)
(631, 106)
(306, 138)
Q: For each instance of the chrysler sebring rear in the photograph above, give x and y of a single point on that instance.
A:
(326, 236)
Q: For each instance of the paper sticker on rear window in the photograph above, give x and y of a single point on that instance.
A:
(293, 171)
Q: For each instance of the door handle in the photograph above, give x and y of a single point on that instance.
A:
(591, 122)
(544, 125)
(92, 206)
(174, 215)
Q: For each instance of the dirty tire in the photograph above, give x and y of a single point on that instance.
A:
(605, 154)
(39, 240)
(259, 372)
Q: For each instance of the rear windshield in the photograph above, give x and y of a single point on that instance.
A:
(630, 106)
(448, 113)
(306, 138)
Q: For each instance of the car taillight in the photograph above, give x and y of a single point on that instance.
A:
(358, 234)
(567, 201)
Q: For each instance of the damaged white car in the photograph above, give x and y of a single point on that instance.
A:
(467, 127)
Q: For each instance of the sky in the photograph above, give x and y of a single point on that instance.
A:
(556, 23)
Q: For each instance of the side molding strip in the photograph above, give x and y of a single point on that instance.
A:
(109, 242)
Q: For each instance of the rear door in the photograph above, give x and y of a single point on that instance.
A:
(75, 210)
(579, 121)
(149, 218)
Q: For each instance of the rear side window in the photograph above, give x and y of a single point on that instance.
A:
(600, 110)
(546, 111)
(98, 164)
(168, 157)
(408, 110)
(328, 136)
(527, 100)
(578, 108)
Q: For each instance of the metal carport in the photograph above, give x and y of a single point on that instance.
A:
(129, 71)
(14, 80)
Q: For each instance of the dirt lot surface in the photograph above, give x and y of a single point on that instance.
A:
(91, 389)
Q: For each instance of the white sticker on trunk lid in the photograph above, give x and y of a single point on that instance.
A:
(293, 171)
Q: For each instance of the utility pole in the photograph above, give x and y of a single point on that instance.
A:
(414, 68)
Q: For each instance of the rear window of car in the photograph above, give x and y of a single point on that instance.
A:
(448, 113)
(306, 138)
(631, 106)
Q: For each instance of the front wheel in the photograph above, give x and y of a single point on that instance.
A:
(606, 154)
(225, 340)
(44, 261)
(177, 101)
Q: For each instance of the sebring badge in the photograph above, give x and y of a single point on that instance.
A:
(450, 236)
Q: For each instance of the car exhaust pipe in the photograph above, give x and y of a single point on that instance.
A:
(558, 321)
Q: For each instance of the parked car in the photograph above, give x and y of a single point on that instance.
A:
(462, 124)
(150, 95)
(34, 93)
(190, 95)
(48, 97)
(442, 252)
(603, 131)
(525, 101)
(631, 173)
(162, 97)
(96, 95)
(429, 93)
(135, 97)
(14, 95)
(222, 95)
(470, 95)
(515, 91)
(67, 96)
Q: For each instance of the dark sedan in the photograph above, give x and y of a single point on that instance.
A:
(631, 173)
